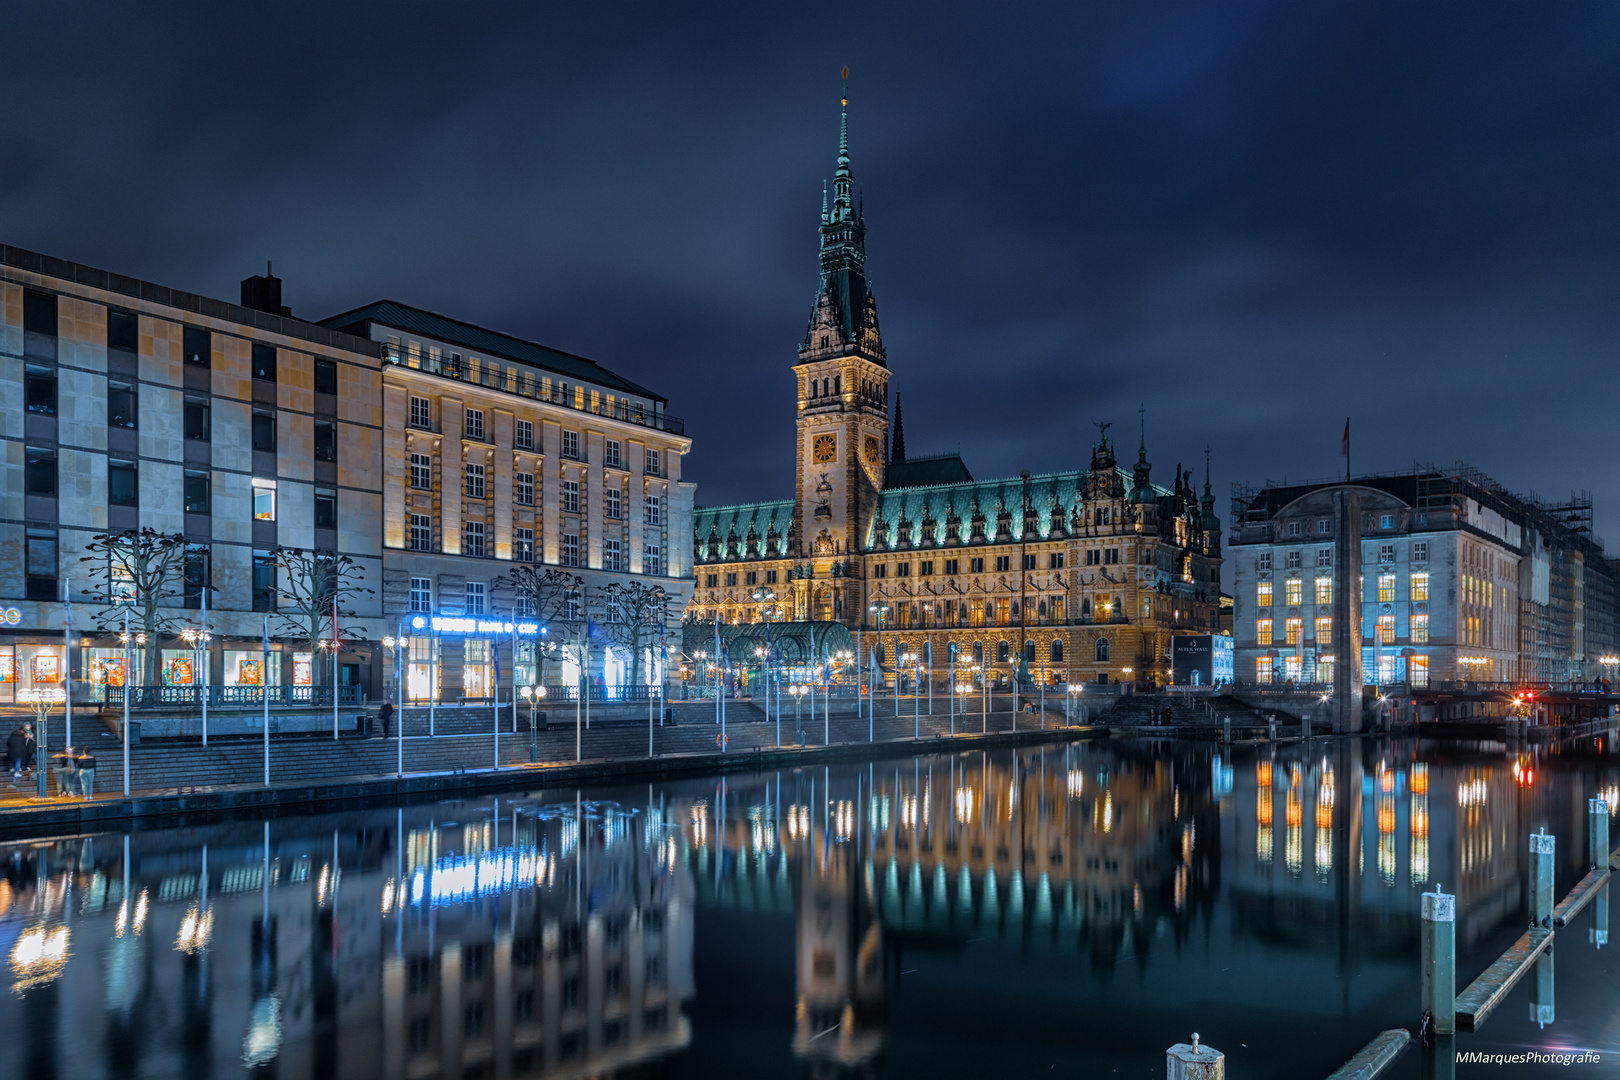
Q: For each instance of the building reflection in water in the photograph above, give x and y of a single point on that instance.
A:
(537, 937)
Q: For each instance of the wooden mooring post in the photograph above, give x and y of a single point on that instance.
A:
(1439, 962)
(1194, 1061)
(1597, 833)
(1542, 849)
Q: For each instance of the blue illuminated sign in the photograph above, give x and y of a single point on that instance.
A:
(448, 624)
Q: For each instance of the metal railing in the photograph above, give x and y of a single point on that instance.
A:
(143, 697)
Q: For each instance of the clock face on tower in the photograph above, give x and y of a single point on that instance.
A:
(874, 450)
(826, 448)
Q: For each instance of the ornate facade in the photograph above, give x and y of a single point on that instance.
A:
(1085, 574)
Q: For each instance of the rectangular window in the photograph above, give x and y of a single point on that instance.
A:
(264, 362)
(196, 419)
(1295, 589)
(1054, 561)
(264, 500)
(39, 313)
(39, 389)
(731, 579)
(1420, 586)
(1294, 528)
(1386, 629)
(570, 496)
(123, 331)
(654, 466)
(477, 592)
(421, 472)
(39, 471)
(40, 564)
(325, 440)
(1293, 560)
(654, 508)
(1324, 630)
(123, 485)
(325, 376)
(975, 566)
(1324, 557)
(1420, 628)
(573, 605)
(264, 431)
(1386, 553)
(1293, 628)
(325, 508)
(475, 481)
(881, 570)
(523, 489)
(1262, 592)
(753, 576)
(655, 563)
(421, 594)
(925, 568)
(902, 569)
(1292, 667)
(1263, 561)
(570, 549)
(421, 412)
(613, 454)
(264, 581)
(1324, 526)
(570, 445)
(421, 532)
(1029, 561)
(610, 555)
(1420, 551)
(196, 492)
(770, 577)
(1003, 563)
(1262, 631)
(196, 575)
(472, 539)
(711, 580)
(475, 424)
(1324, 590)
(523, 545)
(1386, 521)
(1262, 669)
(198, 347)
(523, 434)
(1111, 556)
(1386, 588)
(610, 505)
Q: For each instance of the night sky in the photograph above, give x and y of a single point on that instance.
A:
(1255, 218)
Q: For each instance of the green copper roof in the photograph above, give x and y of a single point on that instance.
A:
(731, 527)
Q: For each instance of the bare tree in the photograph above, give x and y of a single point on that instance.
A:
(134, 574)
(311, 582)
(557, 599)
(636, 615)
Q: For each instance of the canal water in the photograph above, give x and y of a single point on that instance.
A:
(1057, 911)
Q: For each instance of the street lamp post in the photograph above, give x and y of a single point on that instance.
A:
(41, 702)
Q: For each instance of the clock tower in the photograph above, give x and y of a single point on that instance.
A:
(841, 456)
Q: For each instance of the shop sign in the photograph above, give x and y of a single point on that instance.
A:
(446, 624)
(10, 616)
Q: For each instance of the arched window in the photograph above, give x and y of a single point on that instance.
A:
(1057, 651)
(1029, 652)
(1102, 650)
(978, 652)
(838, 384)
(1002, 651)
(877, 650)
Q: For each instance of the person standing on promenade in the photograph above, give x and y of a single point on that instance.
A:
(385, 714)
(85, 761)
(65, 783)
(17, 751)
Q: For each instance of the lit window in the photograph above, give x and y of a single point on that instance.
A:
(1262, 631)
(1324, 590)
(1324, 630)
(1291, 667)
(1263, 594)
(264, 500)
(1420, 628)
(1387, 521)
(1262, 669)
(1420, 585)
(1294, 628)
(1386, 588)
(1386, 629)
(1296, 591)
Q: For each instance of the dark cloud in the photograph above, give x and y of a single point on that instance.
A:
(1253, 218)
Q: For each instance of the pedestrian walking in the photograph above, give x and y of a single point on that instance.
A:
(30, 747)
(65, 784)
(16, 751)
(86, 762)
(385, 714)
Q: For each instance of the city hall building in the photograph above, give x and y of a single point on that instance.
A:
(1085, 574)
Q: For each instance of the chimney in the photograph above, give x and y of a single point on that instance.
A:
(263, 293)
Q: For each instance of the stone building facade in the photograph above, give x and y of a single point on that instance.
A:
(1084, 573)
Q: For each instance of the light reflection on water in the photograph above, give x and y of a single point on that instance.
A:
(559, 933)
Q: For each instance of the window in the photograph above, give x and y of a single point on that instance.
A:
(421, 594)
(476, 594)
(654, 465)
(420, 412)
(1029, 561)
(475, 424)
(1324, 557)
(196, 575)
(731, 579)
(1420, 628)
(325, 508)
(40, 564)
(1054, 561)
(1262, 631)
(264, 581)
(196, 419)
(1295, 589)
(523, 489)
(196, 492)
(264, 431)
(264, 362)
(570, 549)
(475, 481)
(613, 454)
(881, 570)
(1003, 651)
(925, 568)
(1324, 526)
(40, 470)
(951, 565)
(1263, 561)
(123, 331)
(570, 445)
(975, 566)
(198, 347)
(1420, 585)
(1292, 628)
(1420, 551)
(570, 496)
(325, 440)
(1386, 629)
(611, 555)
(1003, 563)
(1056, 652)
(523, 545)
(523, 434)
(1293, 560)
(1111, 556)
(1263, 669)
(654, 508)
(1102, 650)
(1386, 521)
(1386, 553)
(472, 539)
(655, 564)
(1262, 594)
(1324, 630)
(711, 580)
(610, 503)
(39, 389)
(902, 569)
(1324, 590)
(421, 532)
(573, 605)
(325, 376)
(1291, 667)
(421, 471)
(264, 500)
(122, 483)
(1294, 528)
(1386, 588)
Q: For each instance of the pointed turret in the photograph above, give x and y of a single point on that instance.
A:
(1208, 521)
(1141, 482)
(897, 455)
